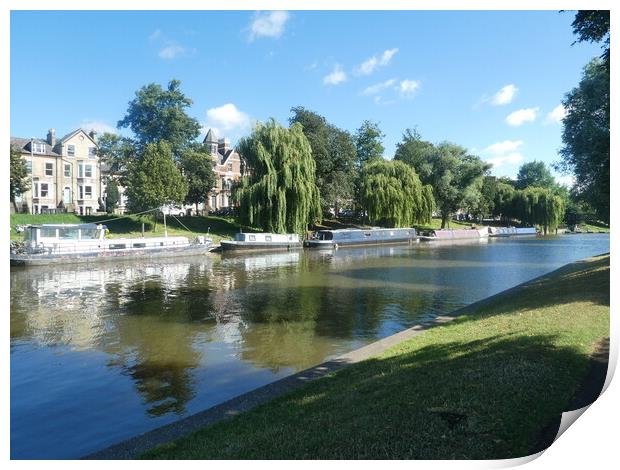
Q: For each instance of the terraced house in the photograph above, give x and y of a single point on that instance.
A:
(65, 173)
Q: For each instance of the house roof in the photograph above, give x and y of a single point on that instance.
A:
(75, 132)
(210, 137)
(24, 145)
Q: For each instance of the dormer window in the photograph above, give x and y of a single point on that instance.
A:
(71, 150)
(38, 148)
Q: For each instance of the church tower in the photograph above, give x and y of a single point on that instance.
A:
(211, 142)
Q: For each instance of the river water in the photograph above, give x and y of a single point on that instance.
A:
(101, 354)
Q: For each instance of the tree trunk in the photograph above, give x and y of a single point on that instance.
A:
(444, 218)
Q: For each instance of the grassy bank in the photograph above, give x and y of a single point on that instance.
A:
(131, 226)
(480, 387)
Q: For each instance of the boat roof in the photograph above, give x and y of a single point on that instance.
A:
(372, 229)
(79, 226)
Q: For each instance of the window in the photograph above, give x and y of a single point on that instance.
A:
(36, 190)
(80, 170)
(223, 183)
(88, 171)
(267, 238)
(80, 193)
(230, 167)
(71, 150)
(47, 232)
(92, 152)
(49, 169)
(38, 148)
(67, 170)
(44, 189)
(252, 238)
(90, 234)
(68, 233)
(29, 167)
(88, 192)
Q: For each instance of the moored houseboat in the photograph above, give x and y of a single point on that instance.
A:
(85, 243)
(262, 241)
(511, 231)
(329, 239)
(458, 234)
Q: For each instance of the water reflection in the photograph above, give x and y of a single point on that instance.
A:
(133, 346)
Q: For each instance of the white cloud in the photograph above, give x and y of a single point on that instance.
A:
(172, 51)
(505, 95)
(557, 115)
(513, 158)
(269, 24)
(408, 87)
(370, 65)
(379, 87)
(521, 116)
(336, 76)
(503, 147)
(227, 119)
(99, 126)
(155, 35)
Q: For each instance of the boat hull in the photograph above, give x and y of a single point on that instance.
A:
(233, 245)
(331, 244)
(109, 255)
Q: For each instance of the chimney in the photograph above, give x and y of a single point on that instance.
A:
(93, 134)
(51, 137)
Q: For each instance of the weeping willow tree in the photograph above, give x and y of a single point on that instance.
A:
(278, 193)
(539, 206)
(394, 196)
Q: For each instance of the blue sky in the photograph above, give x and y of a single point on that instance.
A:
(490, 81)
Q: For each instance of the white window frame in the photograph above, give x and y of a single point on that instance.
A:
(69, 147)
(38, 147)
(67, 166)
(46, 189)
(29, 166)
(35, 189)
(88, 169)
(88, 189)
(94, 152)
(51, 169)
(80, 192)
(80, 170)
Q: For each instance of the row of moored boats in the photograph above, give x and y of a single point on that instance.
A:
(70, 243)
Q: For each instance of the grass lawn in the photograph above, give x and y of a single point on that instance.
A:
(131, 226)
(480, 387)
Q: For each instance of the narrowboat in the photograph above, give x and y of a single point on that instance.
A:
(329, 239)
(262, 241)
(511, 231)
(86, 243)
(459, 234)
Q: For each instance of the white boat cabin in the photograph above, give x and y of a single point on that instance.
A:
(267, 237)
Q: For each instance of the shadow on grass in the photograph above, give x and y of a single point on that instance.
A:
(482, 399)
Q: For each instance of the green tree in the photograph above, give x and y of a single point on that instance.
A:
(19, 175)
(454, 175)
(539, 206)
(334, 154)
(368, 143)
(280, 193)
(115, 153)
(593, 26)
(586, 138)
(157, 114)
(394, 196)
(154, 179)
(535, 173)
(112, 196)
(503, 200)
(197, 165)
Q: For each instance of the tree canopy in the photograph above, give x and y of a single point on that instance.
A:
(18, 174)
(115, 153)
(154, 179)
(453, 173)
(334, 153)
(280, 193)
(157, 114)
(539, 206)
(368, 143)
(593, 26)
(197, 166)
(586, 138)
(394, 196)
(535, 173)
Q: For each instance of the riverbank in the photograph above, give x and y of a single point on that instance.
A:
(483, 386)
(217, 228)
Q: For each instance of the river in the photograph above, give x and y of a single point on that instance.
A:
(100, 354)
